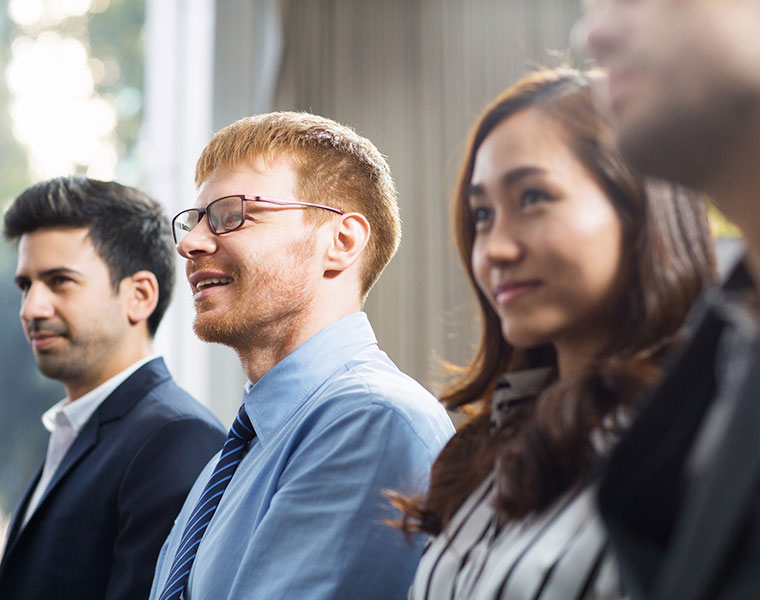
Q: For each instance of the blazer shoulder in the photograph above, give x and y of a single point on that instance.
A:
(149, 399)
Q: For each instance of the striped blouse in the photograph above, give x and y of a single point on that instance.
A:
(561, 554)
(558, 554)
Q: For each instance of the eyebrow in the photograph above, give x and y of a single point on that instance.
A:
(47, 273)
(508, 179)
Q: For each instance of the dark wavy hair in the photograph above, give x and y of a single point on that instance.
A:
(547, 448)
(128, 228)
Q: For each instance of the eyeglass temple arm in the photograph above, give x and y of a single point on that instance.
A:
(291, 203)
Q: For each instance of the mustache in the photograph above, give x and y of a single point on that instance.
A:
(46, 326)
(211, 265)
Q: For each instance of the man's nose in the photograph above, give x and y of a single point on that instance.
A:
(198, 241)
(599, 31)
(37, 303)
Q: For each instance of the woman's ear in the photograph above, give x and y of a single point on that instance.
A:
(350, 236)
(142, 295)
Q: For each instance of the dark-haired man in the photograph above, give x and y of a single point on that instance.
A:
(95, 271)
(681, 495)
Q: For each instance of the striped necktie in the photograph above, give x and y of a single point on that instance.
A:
(240, 435)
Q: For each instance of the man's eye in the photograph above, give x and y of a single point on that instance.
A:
(226, 221)
(59, 280)
(232, 220)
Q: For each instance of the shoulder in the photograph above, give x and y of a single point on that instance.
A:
(169, 423)
(161, 407)
(165, 401)
(371, 388)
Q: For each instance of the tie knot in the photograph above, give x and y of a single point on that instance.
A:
(242, 428)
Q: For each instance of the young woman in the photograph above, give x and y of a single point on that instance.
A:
(584, 273)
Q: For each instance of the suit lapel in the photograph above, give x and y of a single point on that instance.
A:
(18, 515)
(718, 500)
(84, 442)
(119, 403)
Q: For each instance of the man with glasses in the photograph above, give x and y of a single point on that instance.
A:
(96, 272)
(681, 494)
(295, 220)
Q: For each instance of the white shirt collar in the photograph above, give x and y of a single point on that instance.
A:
(79, 411)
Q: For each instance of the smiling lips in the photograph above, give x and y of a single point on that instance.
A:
(212, 281)
(508, 292)
(202, 281)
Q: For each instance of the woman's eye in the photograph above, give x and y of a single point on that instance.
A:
(480, 215)
(532, 196)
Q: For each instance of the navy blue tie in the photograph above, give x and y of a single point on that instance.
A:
(240, 435)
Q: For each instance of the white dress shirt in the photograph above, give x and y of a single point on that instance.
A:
(64, 420)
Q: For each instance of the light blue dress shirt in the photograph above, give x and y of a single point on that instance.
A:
(337, 423)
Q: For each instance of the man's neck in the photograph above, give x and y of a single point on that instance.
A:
(258, 359)
(77, 389)
(264, 350)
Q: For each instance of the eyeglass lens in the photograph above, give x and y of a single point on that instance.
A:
(225, 214)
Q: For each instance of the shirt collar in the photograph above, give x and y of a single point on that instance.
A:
(79, 411)
(737, 300)
(515, 389)
(273, 400)
(739, 278)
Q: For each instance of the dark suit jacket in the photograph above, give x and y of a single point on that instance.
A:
(682, 535)
(98, 529)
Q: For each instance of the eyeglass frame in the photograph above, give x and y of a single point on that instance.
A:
(243, 199)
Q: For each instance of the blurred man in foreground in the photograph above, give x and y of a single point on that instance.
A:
(681, 493)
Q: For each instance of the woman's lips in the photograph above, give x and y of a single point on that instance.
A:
(507, 293)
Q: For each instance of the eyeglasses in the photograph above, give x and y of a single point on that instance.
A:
(227, 214)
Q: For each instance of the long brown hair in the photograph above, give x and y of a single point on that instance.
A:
(547, 448)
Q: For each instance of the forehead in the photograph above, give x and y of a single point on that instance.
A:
(275, 178)
(52, 248)
(527, 138)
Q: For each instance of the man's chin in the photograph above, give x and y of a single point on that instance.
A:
(216, 332)
(664, 145)
(639, 139)
(58, 369)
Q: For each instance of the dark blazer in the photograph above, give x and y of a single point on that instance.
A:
(682, 535)
(98, 529)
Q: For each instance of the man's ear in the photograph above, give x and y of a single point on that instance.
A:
(350, 236)
(142, 295)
